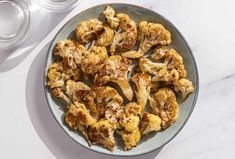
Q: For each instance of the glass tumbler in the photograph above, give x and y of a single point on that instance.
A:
(57, 5)
(14, 22)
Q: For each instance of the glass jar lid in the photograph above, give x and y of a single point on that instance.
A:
(14, 21)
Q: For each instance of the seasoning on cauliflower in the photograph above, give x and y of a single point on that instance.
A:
(164, 104)
(184, 87)
(130, 139)
(73, 122)
(169, 76)
(78, 118)
(80, 53)
(104, 102)
(150, 67)
(174, 61)
(126, 35)
(88, 30)
(115, 69)
(102, 133)
(133, 108)
(65, 49)
(149, 35)
(159, 53)
(109, 14)
(106, 37)
(150, 123)
(81, 114)
(130, 119)
(129, 122)
(58, 93)
(142, 88)
(76, 90)
(92, 60)
(58, 75)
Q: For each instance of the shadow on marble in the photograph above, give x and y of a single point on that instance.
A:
(12, 57)
(51, 134)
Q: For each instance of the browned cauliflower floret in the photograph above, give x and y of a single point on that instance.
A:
(109, 14)
(115, 69)
(105, 102)
(65, 49)
(76, 90)
(129, 122)
(130, 139)
(79, 54)
(164, 105)
(73, 122)
(106, 37)
(149, 35)
(169, 76)
(80, 114)
(149, 123)
(88, 30)
(58, 74)
(58, 93)
(102, 133)
(150, 67)
(159, 53)
(55, 76)
(142, 88)
(126, 35)
(92, 60)
(174, 61)
(184, 87)
(133, 108)
(130, 119)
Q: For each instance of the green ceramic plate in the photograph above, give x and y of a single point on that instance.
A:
(137, 13)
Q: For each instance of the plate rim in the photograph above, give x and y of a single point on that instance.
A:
(191, 54)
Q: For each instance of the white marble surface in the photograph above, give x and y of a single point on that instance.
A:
(28, 129)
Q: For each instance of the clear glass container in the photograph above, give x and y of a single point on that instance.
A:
(57, 5)
(14, 22)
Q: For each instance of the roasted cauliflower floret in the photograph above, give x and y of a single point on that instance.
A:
(149, 35)
(102, 133)
(130, 139)
(129, 122)
(55, 76)
(150, 67)
(159, 53)
(169, 76)
(113, 112)
(126, 35)
(58, 93)
(106, 37)
(81, 114)
(142, 88)
(65, 49)
(73, 122)
(58, 74)
(76, 90)
(184, 87)
(164, 104)
(133, 108)
(88, 30)
(174, 61)
(92, 60)
(105, 102)
(150, 123)
(80, 53)
(115, 69)
(109, 14)
(130, 119)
